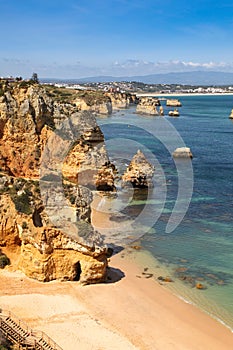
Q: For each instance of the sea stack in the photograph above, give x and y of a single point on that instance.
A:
(139, 173)
(231, 115)
(182, 152)
(173, 103)
(174, 113)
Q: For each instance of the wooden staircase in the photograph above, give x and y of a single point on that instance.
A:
(20, 334)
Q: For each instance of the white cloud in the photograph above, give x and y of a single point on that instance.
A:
(130, 67)
(207, 65)
(141, 67)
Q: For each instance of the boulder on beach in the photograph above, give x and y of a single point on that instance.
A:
(182, 152)
(139, 173)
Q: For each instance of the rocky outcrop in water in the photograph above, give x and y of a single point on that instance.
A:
(161, 111)
(173, 103)
(174, 113)
(182, 152)
(104, 179)
(47, 223)
(148, 105)
(139, 172)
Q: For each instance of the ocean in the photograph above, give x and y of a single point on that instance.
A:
(200, 248)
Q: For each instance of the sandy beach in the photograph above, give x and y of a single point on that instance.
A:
(129, 312)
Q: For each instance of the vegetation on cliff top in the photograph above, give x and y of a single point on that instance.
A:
(64, 95)
(59, 94)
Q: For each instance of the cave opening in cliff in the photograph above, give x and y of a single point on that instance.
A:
(78, 271)
(36, 218)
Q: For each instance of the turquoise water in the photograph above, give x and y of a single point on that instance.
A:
(200, 249)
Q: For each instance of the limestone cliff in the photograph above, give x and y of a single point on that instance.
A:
(88, 155)
(48, 222)
(148, 105)
(84, 100)
(101, 107)
(28, 117)
(121, 100)
(25, 121)
(47, 252)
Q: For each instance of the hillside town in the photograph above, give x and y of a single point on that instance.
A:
(131, 86)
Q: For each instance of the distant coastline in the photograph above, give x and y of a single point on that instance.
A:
(154, 94)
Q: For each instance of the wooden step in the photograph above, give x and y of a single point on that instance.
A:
(45, 344)
(25, 338)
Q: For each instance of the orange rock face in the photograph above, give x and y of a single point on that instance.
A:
(120, 100)
(40, 137)
(24, 113)
(148, 105)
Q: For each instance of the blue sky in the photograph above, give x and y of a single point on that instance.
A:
(73, 39)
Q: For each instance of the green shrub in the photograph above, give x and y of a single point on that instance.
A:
(72, 199)
(25, 84)
(22, 203)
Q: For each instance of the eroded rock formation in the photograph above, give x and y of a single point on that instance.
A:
(25, 121)
(104, 180)
(48, 222)
(28, 117)
(139, 172)
(231, 115)
(148, 105)
(99, 106)
(182, 152)
(121, 100)
(173, 103)
(174, 113)
(47, 252)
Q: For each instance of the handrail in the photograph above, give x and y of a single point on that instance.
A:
(39, 336)
(14, 318)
